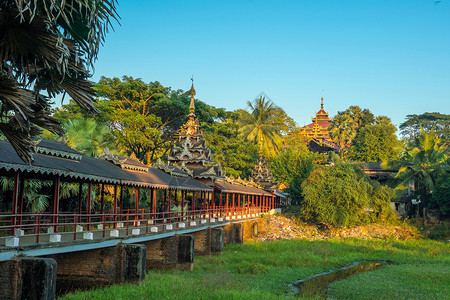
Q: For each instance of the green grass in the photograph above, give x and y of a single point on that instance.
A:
(263, 271)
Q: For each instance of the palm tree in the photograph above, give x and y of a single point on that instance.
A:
(423, 165)
(342, 131)
(261, 125)
(84, 135)
(46, 45)
(34, 198)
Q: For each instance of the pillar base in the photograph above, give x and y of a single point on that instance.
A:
(28, 278)
(186, 252)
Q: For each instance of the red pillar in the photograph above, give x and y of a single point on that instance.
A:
(15, 201)
(182, 204)
(88, 205)
(213, 201)
(233, 206)
(80, 198)
(55, 207)
(153, 191)
(115, 206)
(102, 198)
(102, 202)
(169, 203)
(227, 204)
(220, 202)
(193, 205)
(203, 204)
(136, 204)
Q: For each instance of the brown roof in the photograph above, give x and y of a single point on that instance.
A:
(89, 168)
(226, 187)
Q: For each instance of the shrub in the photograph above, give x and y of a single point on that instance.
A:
(342, 195)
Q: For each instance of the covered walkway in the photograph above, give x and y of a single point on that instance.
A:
(113, 197)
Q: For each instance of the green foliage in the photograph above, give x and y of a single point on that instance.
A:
(440, 197)
(236, 155)
(292, 166)
(340, 195)
(372, 138)
(342, 131)
(438, 122)
(142, 117)
(264, 125)
(422, 164)
(376, 142)
(419, 271)
(46, 48)
(35, 193)
(85, 135)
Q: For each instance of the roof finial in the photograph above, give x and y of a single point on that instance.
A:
(321, 101)
(192, 105)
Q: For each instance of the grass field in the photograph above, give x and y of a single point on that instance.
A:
(263, 270)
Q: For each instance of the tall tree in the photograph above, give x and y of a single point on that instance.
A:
(340, 194)
(422, 164)
(142, 117)
(440, 123)
(360, 117)
(342, 131)
(85, 135)
(47, 45)
(236, 155)
(376, 142)
(293, 165)
(263, 125)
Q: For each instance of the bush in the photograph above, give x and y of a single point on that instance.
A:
(342, 195)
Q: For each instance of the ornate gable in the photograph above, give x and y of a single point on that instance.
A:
(190, 150)
(261, 174)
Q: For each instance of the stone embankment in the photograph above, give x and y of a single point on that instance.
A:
(279, 227)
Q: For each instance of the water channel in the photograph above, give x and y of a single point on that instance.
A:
(317, 285)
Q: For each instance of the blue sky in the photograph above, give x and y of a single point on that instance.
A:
(392, 57)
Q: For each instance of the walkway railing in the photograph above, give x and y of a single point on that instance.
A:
(35, 228)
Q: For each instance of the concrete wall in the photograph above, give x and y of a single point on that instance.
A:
(100, 267)
(28, 278)
(202, 244)
(38, 278)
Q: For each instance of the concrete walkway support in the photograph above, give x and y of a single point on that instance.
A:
(202, 244)
(233, 233)
(185, 252)
(162, 253)
(217, 240)
(100, 267)
(28, 278)
(251, 230)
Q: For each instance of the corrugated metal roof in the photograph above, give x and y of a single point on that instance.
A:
(88, 168)
(226, 187)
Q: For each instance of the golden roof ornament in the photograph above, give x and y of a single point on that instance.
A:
(192, 104)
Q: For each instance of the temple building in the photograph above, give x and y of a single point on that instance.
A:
(317, 132)
(262, 176)
(190, 150)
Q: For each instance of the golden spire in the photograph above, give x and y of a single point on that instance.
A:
(321, 103)
(192, 105)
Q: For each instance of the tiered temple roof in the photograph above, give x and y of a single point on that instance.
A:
(319, 127)
(262, 175)
(317, 132)
(190, 150)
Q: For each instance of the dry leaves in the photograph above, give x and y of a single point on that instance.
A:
(279, 227)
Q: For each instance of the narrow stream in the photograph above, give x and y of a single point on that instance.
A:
(317, 284)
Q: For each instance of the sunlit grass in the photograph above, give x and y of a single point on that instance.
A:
(264, 270)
